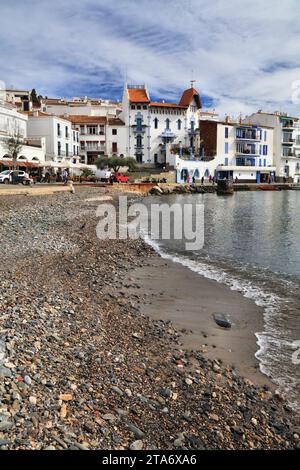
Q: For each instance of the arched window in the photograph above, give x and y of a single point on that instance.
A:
(196, 174)
(179, 124)
(206, 174)
(139, 123)
(167, 123)
(155, 123)
(138, 140)
(192, 125)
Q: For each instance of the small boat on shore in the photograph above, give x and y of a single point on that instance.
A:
(224, 187)
(268, 188)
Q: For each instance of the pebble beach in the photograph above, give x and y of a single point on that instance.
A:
(82, 366)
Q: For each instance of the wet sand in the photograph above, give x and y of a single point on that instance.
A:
(189, 300)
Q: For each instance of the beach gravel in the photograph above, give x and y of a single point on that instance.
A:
(82, 368)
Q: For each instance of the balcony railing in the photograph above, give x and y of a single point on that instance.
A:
(288, 154)
(288, 140)
(247, 136)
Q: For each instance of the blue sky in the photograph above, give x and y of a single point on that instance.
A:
(244, 55)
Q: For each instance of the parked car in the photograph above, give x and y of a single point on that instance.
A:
(119, 178)
(9, 176)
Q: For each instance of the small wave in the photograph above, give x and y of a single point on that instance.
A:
(271, 347)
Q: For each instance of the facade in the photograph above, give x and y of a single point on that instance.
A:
(99, 136)
(243, 151)
(21, 99)
(12, 124)
(286, 142)
(152, 126)
(80, 106)
(62, 141)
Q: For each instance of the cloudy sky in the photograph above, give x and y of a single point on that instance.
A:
(244, 55)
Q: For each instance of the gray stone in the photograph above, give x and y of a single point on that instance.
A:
(137, 445)
(136, 431)
(5, 425)
(5, 372)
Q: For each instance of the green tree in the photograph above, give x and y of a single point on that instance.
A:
(115, 163)
(34, 97)
(14, 146)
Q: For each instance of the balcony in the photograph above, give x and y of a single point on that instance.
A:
(245, 161)
(288, 125)
(192, 131)
(139, 129)
(291, 153)
(242, 134)
(288, 140)
(93, 148)
(246, 150)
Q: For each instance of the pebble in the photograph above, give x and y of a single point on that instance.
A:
(137, 445)
(135, 430)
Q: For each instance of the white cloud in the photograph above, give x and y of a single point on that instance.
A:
(245, 55)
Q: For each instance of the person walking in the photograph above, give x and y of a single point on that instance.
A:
(65, 176)
(202, 180)
(188, 179)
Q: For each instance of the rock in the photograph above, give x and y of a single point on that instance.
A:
(27, 380)
(4, 372)
(188, 381)
(63, 411)
(32, 400)
(117, 390)
(5, 426)
(136, 431)
(254, 421)
(222, 320)
(137, 445)
(165, 392)
(66, 396)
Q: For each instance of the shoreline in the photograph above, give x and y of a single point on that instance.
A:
(81, 365)
(175, 293)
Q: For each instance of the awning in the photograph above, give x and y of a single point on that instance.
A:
(19, 163)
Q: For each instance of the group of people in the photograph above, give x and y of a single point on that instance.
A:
(187, 179)
(64, 177)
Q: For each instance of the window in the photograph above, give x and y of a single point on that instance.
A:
(179, 124)
(139, 106)
(226, 132)
(133, 106)
(114, 132)
(67, 150)
(155, 123)
(58, 148)
(81, 129)
(138, 140)
(226, 161)
(67, 132)
(144, 106)
(265, 150)
(74, 150)
(92, 130)
(265, 136)
(114, 147)
(226, 147)
(260, 162)
(58, 130)
(139, 123)
(192, 126)
(168, 124)
(265, 162)
(74, 136)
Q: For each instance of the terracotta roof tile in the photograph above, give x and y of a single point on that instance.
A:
(138, 95)
(187, 97)
(83, 119)
(166, 105)
(116, 122)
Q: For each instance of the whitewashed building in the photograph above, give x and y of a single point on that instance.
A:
(80, 106)
(286, 142)
(62, 141)
(99, 136)
(14, 124)
(151, 126)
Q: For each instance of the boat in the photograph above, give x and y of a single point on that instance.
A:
(225, 187)
(268, 188)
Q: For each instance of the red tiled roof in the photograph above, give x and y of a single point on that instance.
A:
(166, 105)
(115, 122)
(187, 97)
(138, 95)
(82, 119)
